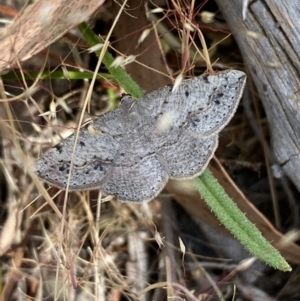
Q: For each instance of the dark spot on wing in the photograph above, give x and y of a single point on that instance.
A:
(59, 147)
(217, 102)
(62, 167)
(194, 122)
(220, 95)
(187, 93)
(82, 143)
(205, 78)
(98, 166)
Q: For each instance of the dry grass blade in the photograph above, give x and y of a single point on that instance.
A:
(39, 25)
(75, 246)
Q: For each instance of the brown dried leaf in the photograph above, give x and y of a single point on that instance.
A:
(41, 23)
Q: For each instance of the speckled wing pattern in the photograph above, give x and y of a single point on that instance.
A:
(135, 149)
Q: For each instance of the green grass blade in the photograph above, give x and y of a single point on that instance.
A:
(57, 74)
(119, 74)
(236, 222)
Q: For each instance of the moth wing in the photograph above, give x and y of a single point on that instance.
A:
(97, 146)
(224, 100)
(138, 173)
(202, 104)
(185, 154)
(184, 125)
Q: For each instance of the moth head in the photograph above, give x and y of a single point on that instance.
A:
(127, 101)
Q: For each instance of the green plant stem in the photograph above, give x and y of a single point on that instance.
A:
(119, 74)
(57, 74)
(209, 188)
(236, 222)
